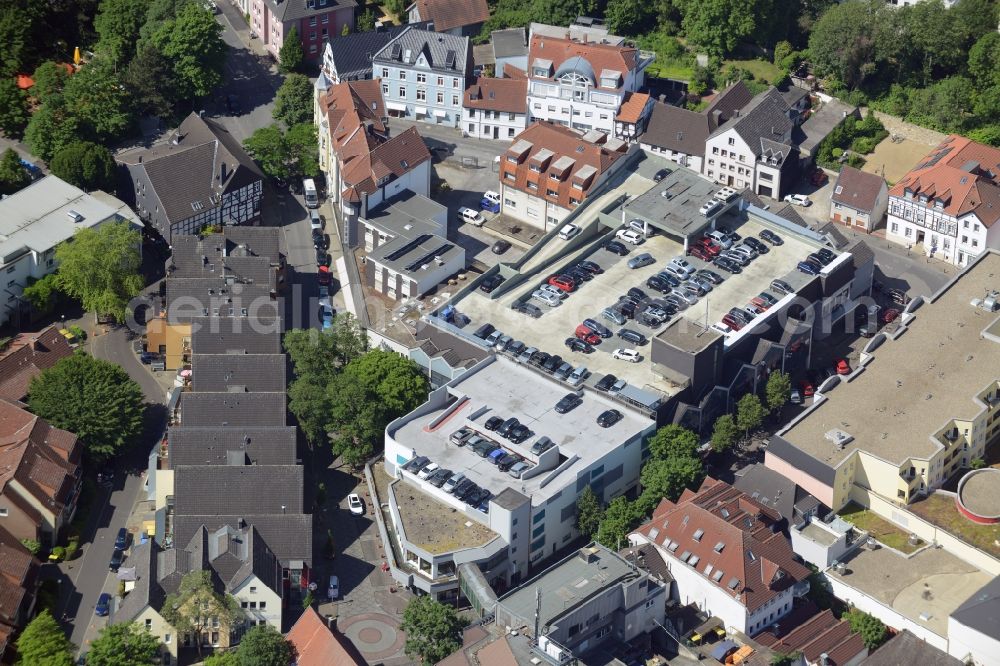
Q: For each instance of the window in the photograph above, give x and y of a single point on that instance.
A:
(262, 605)
(510, 176)
(402, 92)
(312, 21)
(509, 203)
(385, 72)
(510, 132)
(253, 605)
(538, 516)
(312, 47)
(312, 35)
(965, 239)
(472, 128)
(421, 95)
(402, 75)
(454, 100)
(385, 88)
(551, 193)
(149, 624)
(244, 604)
(166, 638)
(510, 116)
(440, 98)
(732, 141)
(421, 77)
(454, 83)
(975, 227)
(325, 19)
(895, 228)
(533, 186)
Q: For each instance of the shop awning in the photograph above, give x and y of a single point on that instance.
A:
(395, 106)
(420, 110)
(440, 113)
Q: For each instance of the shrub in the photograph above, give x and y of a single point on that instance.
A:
(33, 546)
(59, 553)
(72, 547)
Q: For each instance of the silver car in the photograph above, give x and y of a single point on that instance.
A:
(611, 314)
(578, 376)
(546, 297)
(684, 295)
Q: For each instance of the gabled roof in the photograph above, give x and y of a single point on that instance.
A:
(18, 573)
(238, 489)
(396, 157)
(962, 174)
(438, 49)
(726, 103)
(291, 533)
(506, 95)
(563, 53)
(316, 644)
(453, 350)
(26, 356)
(857, 189)
(677, 129)
(355, 118)
(981, 611)
(449, 14)
(234, 335)
(729, 538)
(632, 108)
(762, 124)
(258, 445)
(193, 167)
(238, 372)
(352, 55)
(293, 10)
(233, 409)
(815, 633)
(147, 590)
(905, 648)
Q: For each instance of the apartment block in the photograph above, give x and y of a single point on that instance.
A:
(316, 21)
(495, 108)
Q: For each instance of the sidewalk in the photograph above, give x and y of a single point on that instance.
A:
(231, 15)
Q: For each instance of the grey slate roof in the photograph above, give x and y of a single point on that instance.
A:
(981, 611)
(352, 55)
(905, 649)
(189, 298)
(231, 372)
(677, 129)
(728, 102)
(190, 170)
(233, 409)
(774, 490)
(509, 43)
(435, 47)
(290, 533)
(453, 350)
(224, 335)
(147, 590)
(861, 253)
(293, 10)
(765, 117)
(246, 490)
(261, 445)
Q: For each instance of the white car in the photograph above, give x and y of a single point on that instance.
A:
(555, 291)
(630, 236)
(798, 200)
(470, 216)
(546, 297)
(630, 355)
(333, 590)
(355, 505)
(490, 195)
(569, 231)
(427, 471)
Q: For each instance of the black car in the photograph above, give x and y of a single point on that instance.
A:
(727, 265)
(635, 337)
(121, 541)
(117, 558)
(661, 174)
(519, 433)
(538, 359)
(320, 239)
(732, 235)
(322, 258)
(568, 402)
(636, 295)
(589, 265)
(658, 283)
(578, 345)
(483, 331)
(711, 276)
(609, 418)
(507, 426)
(438, 478)
(771, 237)
(578, 274)
(470, 491)
(493, 423)
(463, 487)
(508, 461)
(817, 257)
(500, 246)
(491, 283)
(627, 308)
(756, 245)
(527, 308)
(605, 383)
(615, 247)
(668, 278)
(649, 320)
(826, 254)
(417, 464)
(473, 499)
(552, 362)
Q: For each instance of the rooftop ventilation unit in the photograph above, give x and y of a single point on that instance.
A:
(839, 438)
(75, 216)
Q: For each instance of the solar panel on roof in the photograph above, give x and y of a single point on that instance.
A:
(429, 257)
(399, 252)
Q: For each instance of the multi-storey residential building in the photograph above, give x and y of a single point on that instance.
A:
(754, 149)
(19, 575)
(948, 205)
(859, 199)
(349, 58)
(633, 116)
(36, 219)
(199, 176)
(494, 108)
(677, 134)
(455, 17)
(549, 169)
(725, 557)
(920, 407)
(575, 611)
(424, 74)
(526, 517)
(579, 83)
(315, 20)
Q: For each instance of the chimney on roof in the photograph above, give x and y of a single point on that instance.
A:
(177, 138)
(663, 98)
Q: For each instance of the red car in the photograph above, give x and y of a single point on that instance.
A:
(587, 335)
(563, 282)
(700, 252)
(759, 303)
(890, 315)
(807, 388)
(843, 367)
(323, 277)
(709, 245)
(732, 322)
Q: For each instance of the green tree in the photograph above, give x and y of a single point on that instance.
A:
(618, 520)
(263, 646)
(319, 354)
(100, 268)
(95, 95)
(749, 413)
(724, 433)
(94, 399)
(15, 29)
(433, 629)
(159, 13)
(13, 175)
(366, 22)
(977, 463)
(51, 127)
(843, 41)
(872, 631)
(984, 60)
(267, 146)
(778, 390)
(192, 42)
(301, 141)
(291, 55)
(293, 103)
(43, 643)
(118, 23)
(945, 105)
(88, 165)
(628, 17)
(43, 293)
(717, 25)
(32, 546)
(125, 644)
(396, 382)
(194, 607)
(149, 79)
(588, 512)
(345, 31)
(783, 659)
(227, 658)
(50, 79)
(13, 108)
(668, 478)
(782, 50)
(673, 441)
(988, 134)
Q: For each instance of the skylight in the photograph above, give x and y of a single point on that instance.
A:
(717, 576)
(719, 546)
(698, 534)
(733, 583)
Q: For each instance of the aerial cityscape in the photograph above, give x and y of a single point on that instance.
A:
(500, 332)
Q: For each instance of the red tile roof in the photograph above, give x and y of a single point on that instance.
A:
(316, 645)
(600, 57)
(18, 570)
(857, 189)
(961, 173)
(448, 14)
(729, 532)
(507, 95)
(632, 107)
(26, 356)
(512, 72)
(820, 634)
(355, 113)
(575, 160)
(395, 157)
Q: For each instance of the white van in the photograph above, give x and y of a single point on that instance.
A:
(470, 216)
(310, 194)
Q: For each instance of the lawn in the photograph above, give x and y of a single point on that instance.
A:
(761, 69)
(671, 69)
(940, 510)
(878, 527)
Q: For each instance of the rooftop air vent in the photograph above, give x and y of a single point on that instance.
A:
(75, 216)
(839, 438)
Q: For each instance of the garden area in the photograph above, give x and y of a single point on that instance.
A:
(849, 141)
(879, 528)
(940, 509)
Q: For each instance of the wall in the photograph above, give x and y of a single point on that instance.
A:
(17, 522)
(395, 90)
(693, 162)
(417, 180)
(254, 591)
(157, 626)
(964, 642)
(815, 553)
(481, 124)
(315, 30)
(171, 336)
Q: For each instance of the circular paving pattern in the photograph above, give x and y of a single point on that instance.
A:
(978, 497)
(375, 635)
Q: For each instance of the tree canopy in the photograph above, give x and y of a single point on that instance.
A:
(51, 128)
(872, 631)
(100, 268)
(96, 97)
(13, 108)
(263, 645)
(668, 478)
(191, 608)
(125, 644)
(433, 629)
(88, 165)
(94, 399)
(43, 643)
(778, 390)
(291, 55)
(724, 433)
(672, 441)
(588, 513)
(293, 103)
(13, 175)
(50, 79)
(618, 520)
(749, 413)
(193, 43)
(118, 23)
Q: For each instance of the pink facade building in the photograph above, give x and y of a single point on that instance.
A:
(316, 21)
